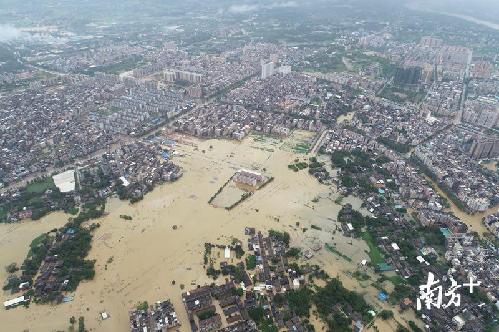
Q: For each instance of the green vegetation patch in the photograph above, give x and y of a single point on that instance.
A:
(400, 95)
(374, 253)
(339, 200)
(40, 186)
(39, 240)
(118, 67)
(3, 214)
(361, 276)
(301, 148)
(395, 146)
(300, 301)
(335, 295)
(207, 313)
(73, 210)
(280, 236)
(143, 306)
(298, 166)
(251, 262)
(328, 61)
(334, 251)
(396, 280)
(293, 253)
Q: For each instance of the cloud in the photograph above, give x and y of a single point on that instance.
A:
(286, 4)
(247, 8)
(240, 9)
(10, 33)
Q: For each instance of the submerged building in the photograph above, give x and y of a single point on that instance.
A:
(249, 178)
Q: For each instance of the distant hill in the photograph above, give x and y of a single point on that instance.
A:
(487, 10)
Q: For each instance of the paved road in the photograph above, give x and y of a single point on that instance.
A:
(46, 70)
(459, 116)
(318, 143)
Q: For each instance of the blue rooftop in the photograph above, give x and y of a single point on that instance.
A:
(382, 296)
(445, 232)
(169, 141)
(383, 267)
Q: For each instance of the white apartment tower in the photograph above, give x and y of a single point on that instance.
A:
(267, 69)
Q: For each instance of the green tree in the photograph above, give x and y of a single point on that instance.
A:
(257, 314)
(299, 301)
(386, 314)
(251, 262)
(414, 327)
(400, 328)
(293, 252)
(143, 306)
(280, 236)
(11, 268)
(81, 324)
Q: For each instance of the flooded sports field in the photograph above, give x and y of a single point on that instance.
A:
(159, 253)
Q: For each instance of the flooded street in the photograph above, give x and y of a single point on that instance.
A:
(474, 221)
(15, 238)
(160, 252)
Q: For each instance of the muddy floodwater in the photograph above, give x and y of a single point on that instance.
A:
(491, 165)
(148, 259)
(15, 238)
(473, 221)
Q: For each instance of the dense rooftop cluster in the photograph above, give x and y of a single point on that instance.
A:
(42, 130)
(237, 122)
(269, 292)
(475, 187)
(138, 106)
(411, 244)
(278, 92)
(443, 98)
(396, 125)
(132, 169)
(492, 223)
(419, 122)
(160, 317)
